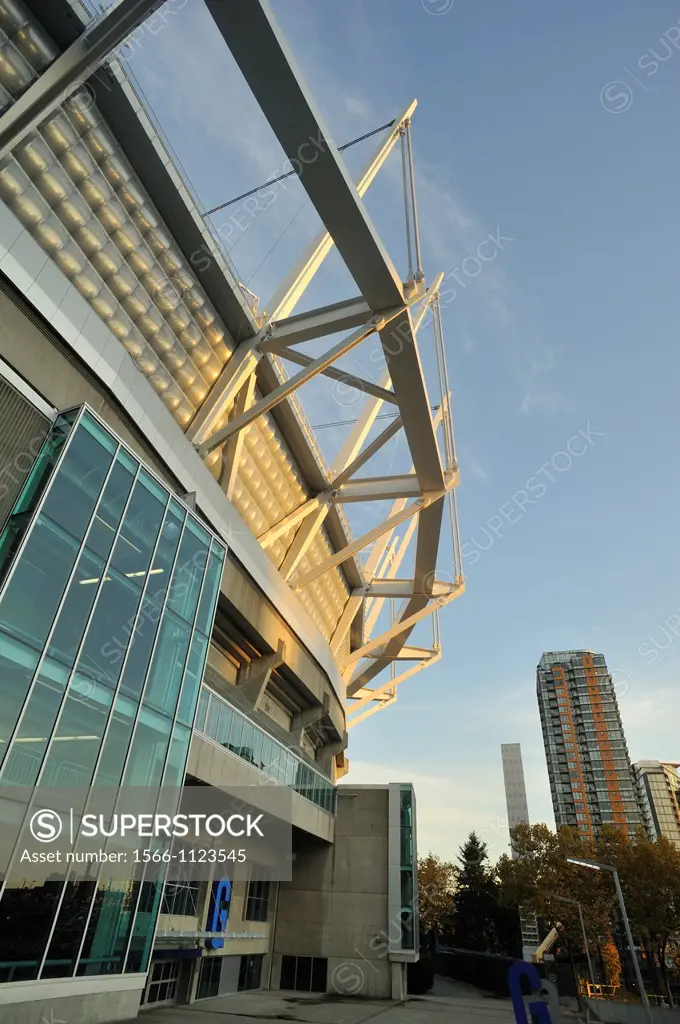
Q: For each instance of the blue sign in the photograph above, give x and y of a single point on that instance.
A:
(538, 1008)
(220, 901)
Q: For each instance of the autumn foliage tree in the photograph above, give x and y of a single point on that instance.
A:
(649, 872)
(436, 885)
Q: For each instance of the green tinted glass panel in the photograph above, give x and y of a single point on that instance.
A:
(188, 575)
(167, 666)
(192, 678)
(108, 515)
(76, 487)
(135, 545)
(213, 576)
(37, 584)
(177, 756)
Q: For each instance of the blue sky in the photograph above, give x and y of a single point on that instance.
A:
(557, 126)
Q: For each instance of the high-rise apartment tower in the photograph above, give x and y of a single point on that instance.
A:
(591, 779)
(658, 791)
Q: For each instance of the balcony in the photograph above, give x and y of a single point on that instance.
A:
(218, 721)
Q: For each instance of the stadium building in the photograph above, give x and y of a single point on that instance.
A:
(182, 597)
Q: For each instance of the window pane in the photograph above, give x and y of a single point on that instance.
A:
(35, 590)
(235, 735)
(246, 747)
(74, 613)
(159, 578)
(257, 747)
(193, 677)
(117, 741)
(149, 747)
(167, 667)
(110, 509)
(76, 487)
(26, 753)
(73, 751)
(143, 630)
(17, 665)
(179, 747)
(132, 553)
(212, 721)
(110, 626)
(288, 768)
(213, 577)
(28, 499)
(266, 754)
(188, 575)
(202, 710)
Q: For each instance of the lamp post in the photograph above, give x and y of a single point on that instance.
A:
(596, 866)
(575, 903)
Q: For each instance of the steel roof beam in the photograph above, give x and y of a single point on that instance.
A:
(368, 452)
(303, 539)
(349, 379)
(71, 69)
(367, 538)
(383, 696)
(378, 488)
(394, 588)
(317, 323)
(286, 388)
(278, 87)
(291, 520)
(233, 449)
(223, 393)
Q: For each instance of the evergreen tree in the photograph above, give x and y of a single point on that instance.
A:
(475, 904)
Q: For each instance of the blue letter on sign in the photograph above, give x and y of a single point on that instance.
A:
(219, 912)
(537, 1008)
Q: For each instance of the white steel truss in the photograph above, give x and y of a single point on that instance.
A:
(385, 305)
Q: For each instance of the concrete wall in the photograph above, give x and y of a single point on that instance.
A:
(75, 1000)
(337, 904)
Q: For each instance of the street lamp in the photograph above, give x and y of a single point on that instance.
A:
(596, 866)
(575, 903)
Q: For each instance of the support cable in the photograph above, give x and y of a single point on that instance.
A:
(289, 174)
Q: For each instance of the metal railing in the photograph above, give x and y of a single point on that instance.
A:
(220, 722)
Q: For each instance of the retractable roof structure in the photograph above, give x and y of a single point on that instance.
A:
(84, 164)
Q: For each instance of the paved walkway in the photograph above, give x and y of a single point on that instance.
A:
(448, 1003)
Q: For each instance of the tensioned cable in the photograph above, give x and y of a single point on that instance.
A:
(289, 174)
(271, 250)
(344, 423)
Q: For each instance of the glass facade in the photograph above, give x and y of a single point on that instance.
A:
(108, 588)
(407, 871)
(219, 721)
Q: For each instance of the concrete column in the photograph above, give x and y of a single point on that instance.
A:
(254, 684)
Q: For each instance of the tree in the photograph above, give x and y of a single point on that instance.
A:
(541, 874)
(612, 962)
(649, 871)
(436, 884)
(475, 901)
